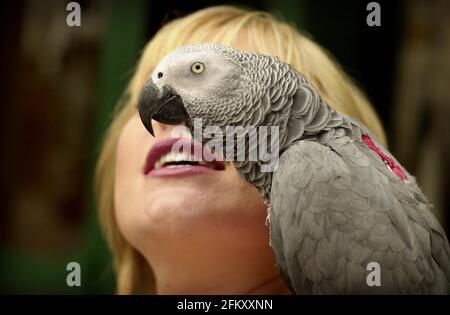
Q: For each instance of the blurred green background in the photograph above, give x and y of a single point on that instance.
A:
(60, 85)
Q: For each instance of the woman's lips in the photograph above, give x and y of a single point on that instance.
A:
(178, 171)
(197, 151)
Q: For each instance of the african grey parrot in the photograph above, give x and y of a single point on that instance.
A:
(338, 201)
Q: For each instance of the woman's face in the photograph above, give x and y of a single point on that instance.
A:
(183, 213)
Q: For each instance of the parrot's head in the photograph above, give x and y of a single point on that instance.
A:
(214, 87)
(207, 81)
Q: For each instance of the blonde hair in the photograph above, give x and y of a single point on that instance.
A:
(258, 31)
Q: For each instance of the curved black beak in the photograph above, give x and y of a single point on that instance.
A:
(161, 105)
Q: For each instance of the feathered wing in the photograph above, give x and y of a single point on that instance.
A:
(335, 209)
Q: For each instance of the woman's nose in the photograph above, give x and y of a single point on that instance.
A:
(163, 130)
(159, 128)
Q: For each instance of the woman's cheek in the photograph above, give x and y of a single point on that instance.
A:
(130, 154)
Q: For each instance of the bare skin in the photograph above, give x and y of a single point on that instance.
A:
(201, 234)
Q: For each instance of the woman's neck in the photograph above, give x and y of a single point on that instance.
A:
(212, 273)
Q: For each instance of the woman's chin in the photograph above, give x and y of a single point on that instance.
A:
(188, 193)
(179, 210)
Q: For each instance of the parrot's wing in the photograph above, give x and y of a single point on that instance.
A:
(332, 215)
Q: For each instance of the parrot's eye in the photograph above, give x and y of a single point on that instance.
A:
(197, 67)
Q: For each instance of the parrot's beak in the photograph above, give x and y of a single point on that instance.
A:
(162, 105)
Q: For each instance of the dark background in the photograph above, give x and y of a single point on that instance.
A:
(59, 86)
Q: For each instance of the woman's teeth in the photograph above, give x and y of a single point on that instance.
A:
(175, 159)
